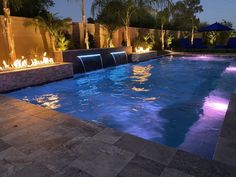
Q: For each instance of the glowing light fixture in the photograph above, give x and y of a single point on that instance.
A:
(215, 104)
(231, 69)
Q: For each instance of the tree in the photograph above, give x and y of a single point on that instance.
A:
(143, 18)
(184, 15)
(18, 7)
(110, 22)
(53, 25)
(84, 24)
(29, 9)
(7, 27)
(126, 10)
(162, 11)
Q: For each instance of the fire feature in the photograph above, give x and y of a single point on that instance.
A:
(142, 50)
(25, 63)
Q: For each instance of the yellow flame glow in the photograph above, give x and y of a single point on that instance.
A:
(142, 50)
(23, 63)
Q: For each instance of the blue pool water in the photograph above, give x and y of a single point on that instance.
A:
(177, 101)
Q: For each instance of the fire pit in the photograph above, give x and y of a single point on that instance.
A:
(24, 73)
(26, 63)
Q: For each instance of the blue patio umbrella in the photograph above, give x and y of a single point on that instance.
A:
(215, 27)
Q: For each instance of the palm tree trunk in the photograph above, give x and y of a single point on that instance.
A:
(110, 36)
(127, 37)
(53, 44)
(162, 37)
(84, 25)
(8, 32)
(192, 36)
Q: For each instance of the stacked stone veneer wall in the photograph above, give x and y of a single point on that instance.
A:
(139, 57)
(12, 80)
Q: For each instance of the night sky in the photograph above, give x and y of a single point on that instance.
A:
(214, 10)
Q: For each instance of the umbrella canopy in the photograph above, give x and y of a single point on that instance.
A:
(215, 27)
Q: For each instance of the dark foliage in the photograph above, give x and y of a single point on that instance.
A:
(29, 8)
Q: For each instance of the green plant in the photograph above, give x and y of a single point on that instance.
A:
(147, 41)
(169, 40)
(62, 43)
(52, 24)
(232, 34)
(211, 38)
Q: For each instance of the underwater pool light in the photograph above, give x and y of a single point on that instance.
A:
(231, 69)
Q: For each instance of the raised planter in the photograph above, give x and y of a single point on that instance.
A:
(17, 79)
(139, 57)
(72, 56)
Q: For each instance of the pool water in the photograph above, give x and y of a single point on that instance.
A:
(178, 101)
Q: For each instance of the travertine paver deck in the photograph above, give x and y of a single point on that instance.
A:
(37, 142)
(226, 147)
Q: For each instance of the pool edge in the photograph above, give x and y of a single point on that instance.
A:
(226, 146)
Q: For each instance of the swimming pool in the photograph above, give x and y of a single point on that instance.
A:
(178, 101)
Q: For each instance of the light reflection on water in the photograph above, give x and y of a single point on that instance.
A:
(50, 101)
(172, 101)
(141, 73)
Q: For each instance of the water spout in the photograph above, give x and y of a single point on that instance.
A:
(91, 62)
(120, 56)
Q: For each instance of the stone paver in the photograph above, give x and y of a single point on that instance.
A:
(142, 167)
(3, 145)
(226, 151)
(199, 167)
(12, 160)
(170, 172)
(37, 142)
(101, 159)
(34, 170)
(159, 153)
(131, 143)
(72, 172)
(109, 136)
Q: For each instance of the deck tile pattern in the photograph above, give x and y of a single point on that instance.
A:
(37, 142)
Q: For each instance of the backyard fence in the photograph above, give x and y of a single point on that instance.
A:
(30, 41)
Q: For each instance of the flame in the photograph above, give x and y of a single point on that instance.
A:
(23, 63)
(6, 66)
(142, 50)
(19, 64)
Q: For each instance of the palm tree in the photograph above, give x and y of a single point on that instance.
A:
(7, 27)
(110, 22)
(84, 24)
(126, 10)
(162, 9)
(53, 25)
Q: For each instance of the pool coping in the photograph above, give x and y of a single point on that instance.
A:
(226, 146)
(34, 139)
(200, 53)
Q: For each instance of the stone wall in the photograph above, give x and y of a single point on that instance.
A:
(12, 80)
(139, 57)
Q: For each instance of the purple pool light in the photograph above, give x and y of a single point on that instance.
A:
(215, 106)
(231, 69)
